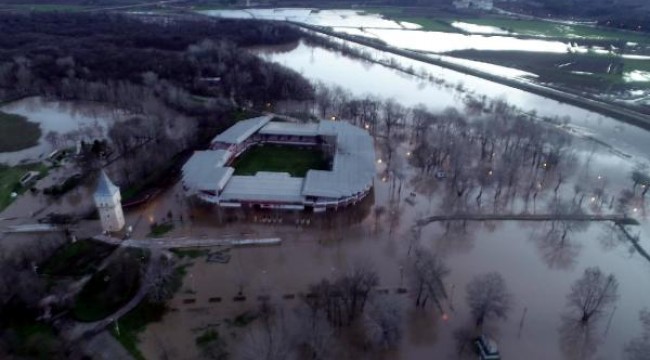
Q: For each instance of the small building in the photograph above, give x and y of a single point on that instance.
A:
(474, 4)
(108, 201)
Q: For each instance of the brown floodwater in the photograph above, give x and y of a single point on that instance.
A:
(538, 273)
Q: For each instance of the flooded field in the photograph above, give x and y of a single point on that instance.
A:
(539, 260)
(450, 89)
(70, 121)
(539, 267)
(538, 273)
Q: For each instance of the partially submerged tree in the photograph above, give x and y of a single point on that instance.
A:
(270, 337)
(160, 279)
(592, 295)
(426, 272)
(488, 297)
(314, 335)
(382, 323)
(639, 348)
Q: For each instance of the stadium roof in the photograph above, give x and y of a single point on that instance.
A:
(205, 170)
(353, 170)
(242, 130)
(287, 128)
(264, 186)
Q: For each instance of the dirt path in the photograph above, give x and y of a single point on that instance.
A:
(81, 330)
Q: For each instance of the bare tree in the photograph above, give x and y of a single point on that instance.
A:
(592, 295)
(462, 338)
(160, 279)
(314, 335)
(488, 297)
(426, 272)
(578, 341)
(382, 323)
(639, 348)
(212, 346)
(344, 299)
(269, 338)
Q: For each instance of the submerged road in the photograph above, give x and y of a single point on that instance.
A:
(185, 242)
(613, 110)
(617, 219)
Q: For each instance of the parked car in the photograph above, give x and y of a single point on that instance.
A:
(487, 348)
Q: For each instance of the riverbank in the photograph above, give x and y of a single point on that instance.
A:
(613, 110)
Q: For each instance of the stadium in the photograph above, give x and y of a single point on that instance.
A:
(262, 163)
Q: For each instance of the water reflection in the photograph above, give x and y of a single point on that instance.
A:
(578, 341)
(62, 124)
(556, 247)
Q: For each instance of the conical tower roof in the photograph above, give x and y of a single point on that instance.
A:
(105, 186)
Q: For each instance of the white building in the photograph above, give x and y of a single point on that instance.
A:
(208, 175)
(108, 201)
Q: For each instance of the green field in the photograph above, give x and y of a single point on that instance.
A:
(9, 181)
(48, 7)
(109, 289)
(134, 323)
(17, 133)
(442, 23)
(77, 259)
(547, 28)
(290, 159)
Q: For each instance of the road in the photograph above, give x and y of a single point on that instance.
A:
(135, 6)
(185, 242)
(613, 110)
(618, 219)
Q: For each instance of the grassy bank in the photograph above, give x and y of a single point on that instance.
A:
(584, 72)
(77, 259)
(432, 20)
(10, 181)
(110, 289)
(131, 325)
(17, 133)
(290, 159)
(135, 322)
(46, 7)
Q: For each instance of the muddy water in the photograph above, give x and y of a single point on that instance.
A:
(90, 120)
(538, 274)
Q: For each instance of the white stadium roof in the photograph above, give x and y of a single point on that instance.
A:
(205, 170)
(242, 130)
(264, 186)
(352, 172)
(287, 128)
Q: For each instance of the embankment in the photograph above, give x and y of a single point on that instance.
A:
(613, 110)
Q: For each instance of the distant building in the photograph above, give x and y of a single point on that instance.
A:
(474, 4)
(109, 204)
(209, 175)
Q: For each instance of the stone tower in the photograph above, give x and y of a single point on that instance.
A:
(108, 201)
